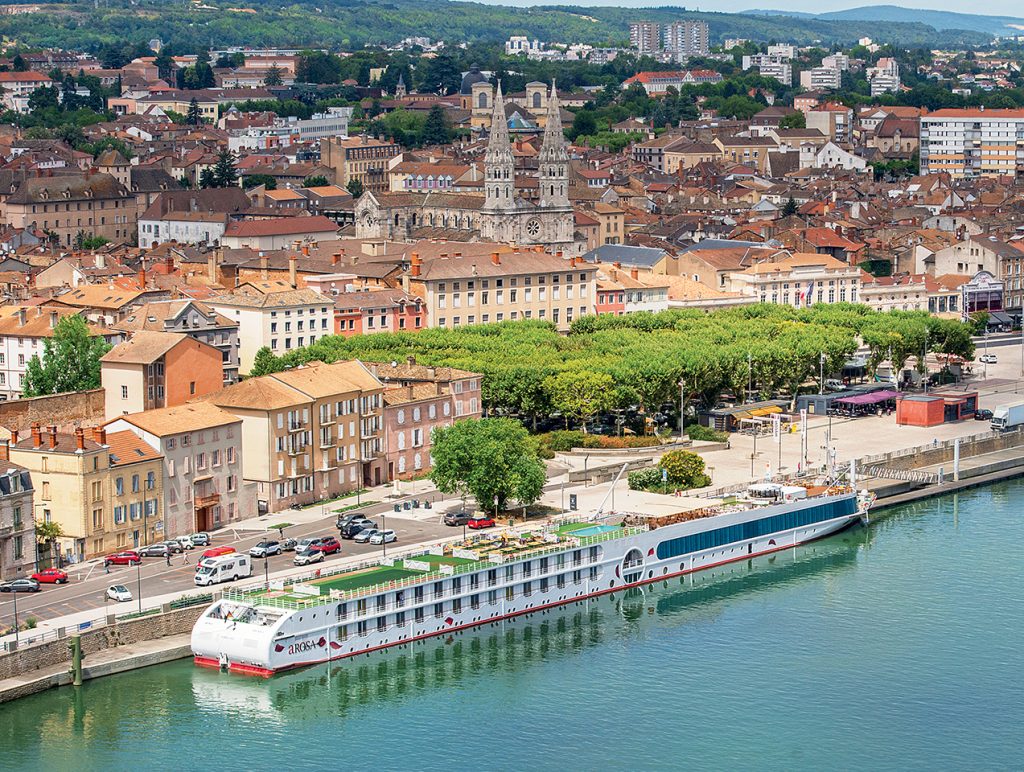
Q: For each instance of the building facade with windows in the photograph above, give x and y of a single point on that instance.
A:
(802, 279)
(972, 142)
(310, 433)
(201, 446)
(17, 526)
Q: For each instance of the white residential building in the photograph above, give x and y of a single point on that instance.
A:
(972, 142)
(884, 77)
(769, 66)
(802, 279)
(836, 62)
(684, 39)
(645, 37)
(784, 51)
(820, 78)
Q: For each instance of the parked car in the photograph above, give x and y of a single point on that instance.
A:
(356, 527)
(201, 539)
(51, 576)
(308, 556)
(20, 585)
(344, 520)
(457, 518)
(305, 543)
(480, 522)
(989, 359)
(265, 549)
(983, 415)
(327, 545)
(185, 542)
(364, 535)
(119, 592)
(834, 384)
(383, 537)
(154, 551)
(174, 546)
(127, 558)
(288, 545)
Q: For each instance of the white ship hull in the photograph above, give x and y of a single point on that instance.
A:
(280, 640)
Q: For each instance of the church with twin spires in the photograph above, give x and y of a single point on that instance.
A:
(501, 215)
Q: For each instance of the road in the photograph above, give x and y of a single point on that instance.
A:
(88, 585)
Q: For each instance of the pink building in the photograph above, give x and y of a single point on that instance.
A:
(418, 399)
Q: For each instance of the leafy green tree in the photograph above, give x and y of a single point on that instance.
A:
(441, 75)
(165, 66)
(47, 534)
(264, 363)
(584, 124)
(790, 208)
(70, 361)
(18, 64)
(684, 469)
(795, 120)
(355, 187)
(315, 181)
(580, 394)
(255, 180)
(224, 173)
(489, 458)
(318, 67)
(194, 116)
(273, 77)
(436, 130)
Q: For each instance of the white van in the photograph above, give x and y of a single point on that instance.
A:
(223, 568)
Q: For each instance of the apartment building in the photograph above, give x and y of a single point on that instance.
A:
(749, 151)
(310, 433)
(193, 318)
(201, 446)
(684, 39)
(801, 279)
(362, 313)
(17, 527)
(972, 142)
(821, 78)
(771, 66)
(70, 204)
(359, 158)
(23, 335)
(18, 86)
(152, 370)
(645, 37)
(884, 77)
(509, 285)
(833, 120)
(104, 490)
(275, 315)
(417, 400)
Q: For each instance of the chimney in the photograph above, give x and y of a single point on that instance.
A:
(415, 269)
(21, 317)
(212, 258)
(410, 360)
(495, 258)
(634, 273)
(617, 264)
(14, 437)
(293, 262)
(37, 436)
(169, 264)
(80, 439)
(54, 317)
(5, 450)
(264, 267)
(572, 262)
(53, 437)
(336, 258)
(99, 435)
(142, 276)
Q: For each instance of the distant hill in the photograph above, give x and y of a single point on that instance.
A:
(351, 24)
(940, 20)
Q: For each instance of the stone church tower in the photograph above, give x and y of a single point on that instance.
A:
(508, 218)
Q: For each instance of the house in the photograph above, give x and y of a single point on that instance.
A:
(361, 159)
(23, 334)
(152, 370)
(363, 312)
(273, 314)
(749, 151)
(18, 86)
(278, 233)
(202, 474)
(190, 216)
(799, 279)
(104, 491)
(17, 524)
(192, 318)
(310, 433)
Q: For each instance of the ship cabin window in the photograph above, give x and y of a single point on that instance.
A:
(492, 577)
(417, 614)
(381, 624)
(438, 589)
(381, 602)
(527, 568)
(544, 585)
(438, 610)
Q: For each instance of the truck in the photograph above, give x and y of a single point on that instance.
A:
(223, 568)
(1008, 416)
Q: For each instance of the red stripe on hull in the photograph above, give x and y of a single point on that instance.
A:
(267, 672)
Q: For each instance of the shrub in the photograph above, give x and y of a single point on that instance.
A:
(563, 441)
(706, 433)
(644, 479)
(685, 469)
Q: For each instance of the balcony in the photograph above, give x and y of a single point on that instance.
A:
(211, 499)
(6, 530)
(297, 450)
(297, 425)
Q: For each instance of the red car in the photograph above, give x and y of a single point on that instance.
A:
(51, 576)
(327, 545)
(480, 522)
(126, 558)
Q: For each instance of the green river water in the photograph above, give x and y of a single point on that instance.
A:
(891, 647)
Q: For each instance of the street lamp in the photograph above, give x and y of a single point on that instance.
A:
(138, 580)
(682, 406)
(266, 569)
(14, 597)
(821, 377)
(750, 374)
(383, 537)
(924, 361)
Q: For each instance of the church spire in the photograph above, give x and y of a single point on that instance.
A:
(553, 158)
(554, 138)
(499, 164)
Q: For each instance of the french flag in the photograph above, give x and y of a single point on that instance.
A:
(808, 294)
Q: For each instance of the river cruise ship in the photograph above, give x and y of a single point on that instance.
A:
(492, 576)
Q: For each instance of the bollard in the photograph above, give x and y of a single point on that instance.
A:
(75, 648)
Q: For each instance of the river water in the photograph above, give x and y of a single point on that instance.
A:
(893, 647)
